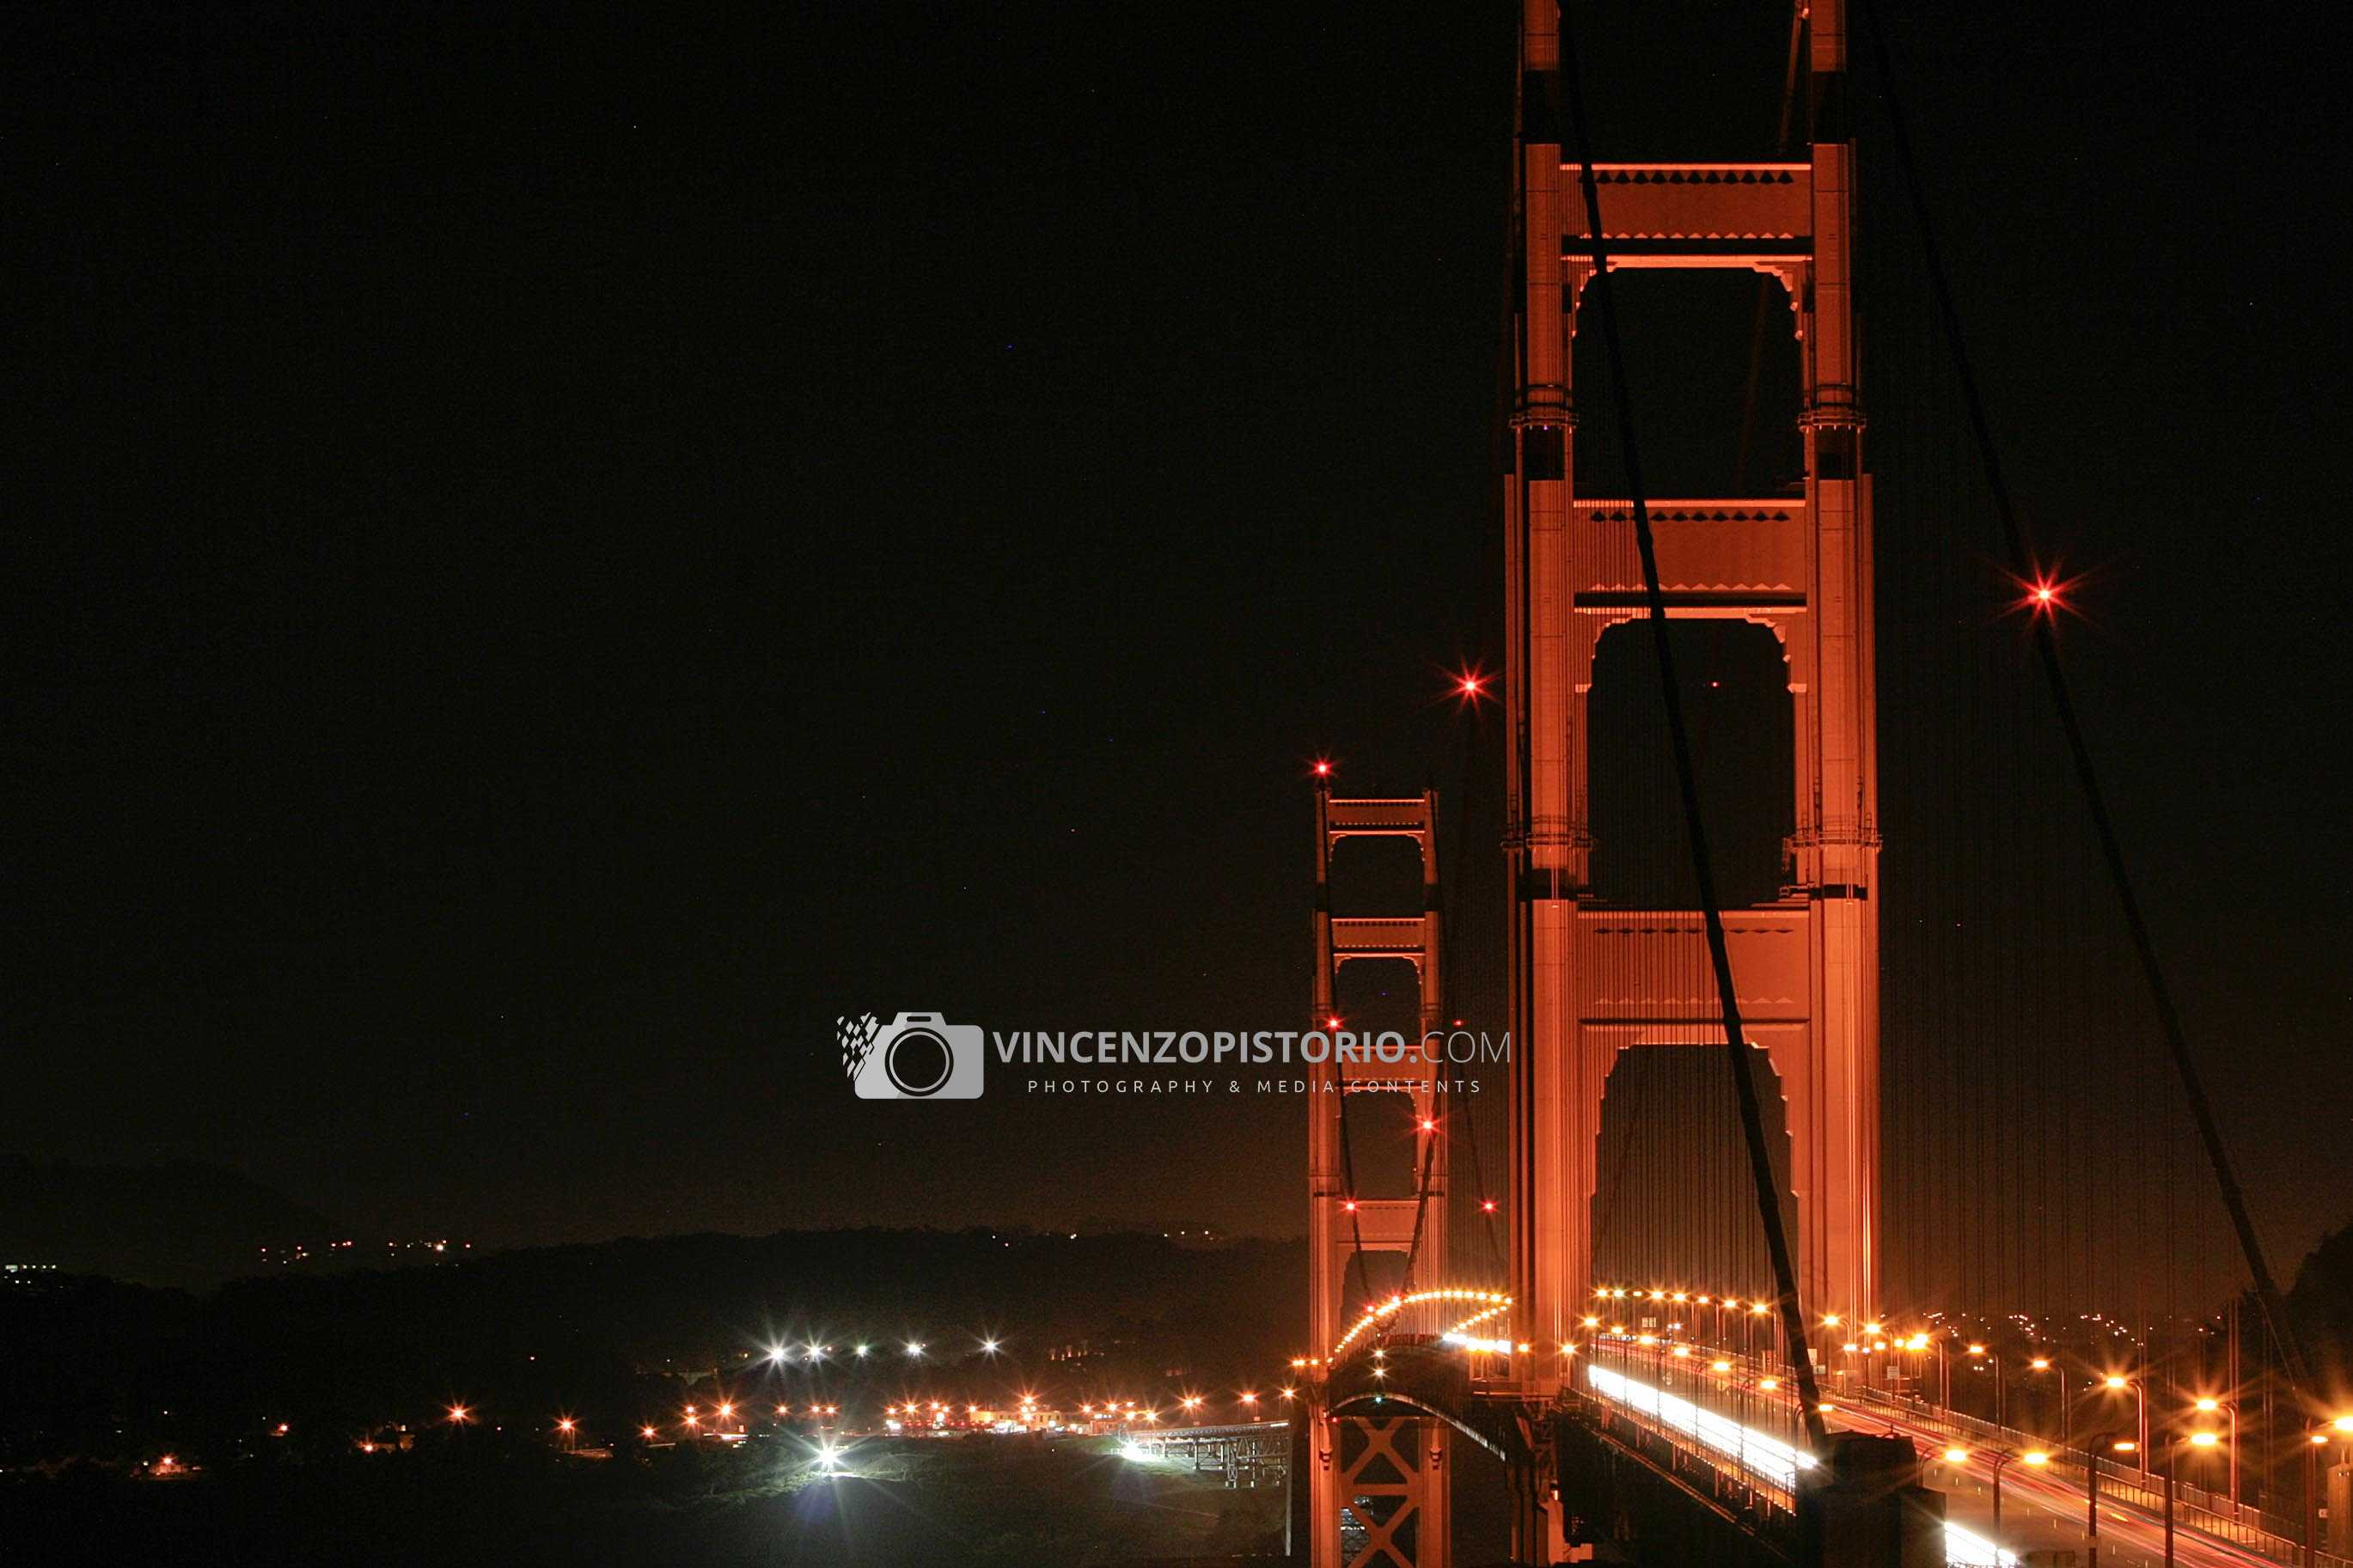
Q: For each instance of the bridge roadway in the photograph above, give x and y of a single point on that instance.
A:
(2043, 1510)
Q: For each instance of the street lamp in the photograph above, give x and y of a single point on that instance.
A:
(2116, 1382)
(2198, 1439)
(2207, 1406)
(2048, 1363)
(1997, 1458)
(2340, 1431)
(1981, 1352)
(2109, 1442)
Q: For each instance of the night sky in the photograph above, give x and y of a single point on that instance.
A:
(557, 554)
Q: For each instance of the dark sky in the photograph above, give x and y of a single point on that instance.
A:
(562, 553)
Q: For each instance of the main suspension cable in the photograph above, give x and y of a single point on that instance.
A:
(2046, 647)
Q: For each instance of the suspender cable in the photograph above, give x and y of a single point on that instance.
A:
(2046, 647)
(1735, 1044)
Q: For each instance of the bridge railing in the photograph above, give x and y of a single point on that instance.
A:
(1656, 1412)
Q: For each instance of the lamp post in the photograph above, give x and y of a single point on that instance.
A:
(2116, 1383)
(1996, 1458)
(2207, 1406)
(2110, 1442)
(2340, 1430)
(2046, 1364)
(2199, 1439)
(1982, 1352)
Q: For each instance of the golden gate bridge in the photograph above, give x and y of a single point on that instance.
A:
(1789, 1415)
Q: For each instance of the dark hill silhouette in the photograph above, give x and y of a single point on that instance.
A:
(177, 1223)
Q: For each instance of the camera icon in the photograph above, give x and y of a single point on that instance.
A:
(916, 1056)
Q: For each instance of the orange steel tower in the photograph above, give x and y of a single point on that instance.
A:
(1588, 982)
(1384, 1479)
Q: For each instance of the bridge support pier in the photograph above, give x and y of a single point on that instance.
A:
(1863, 1506)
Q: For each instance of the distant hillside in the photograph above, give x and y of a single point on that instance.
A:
(619, 1333)
(179, 1222)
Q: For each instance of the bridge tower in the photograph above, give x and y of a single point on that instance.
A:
(1376, 1488)
(1806, 967)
